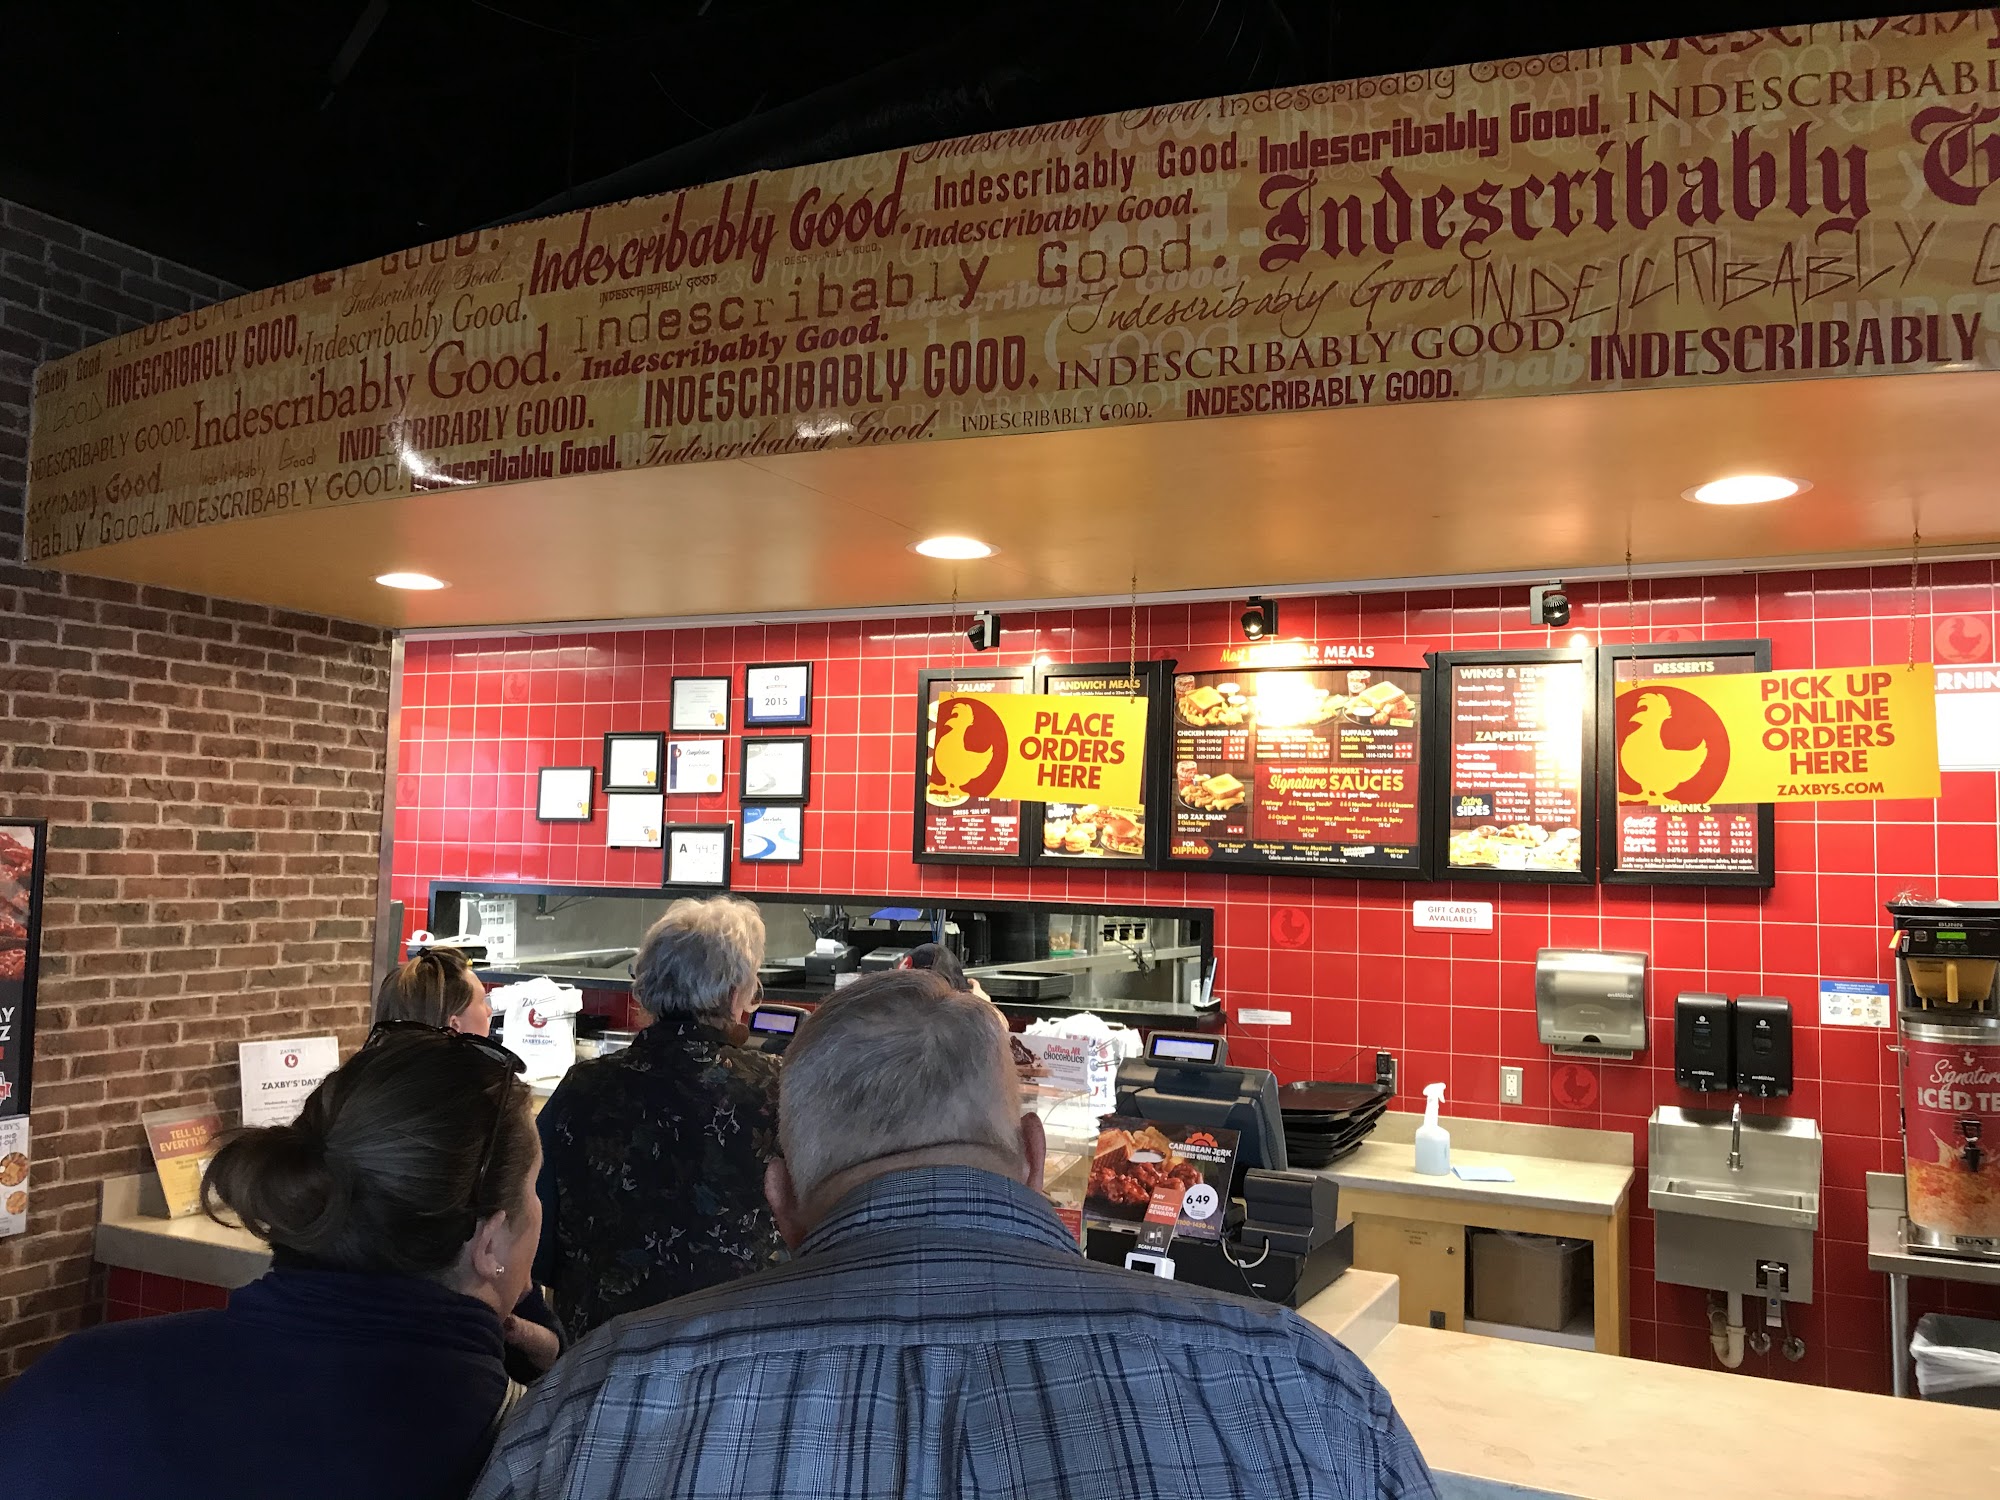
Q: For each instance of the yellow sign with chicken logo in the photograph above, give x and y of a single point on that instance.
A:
(1041, 747)
(1849, 734)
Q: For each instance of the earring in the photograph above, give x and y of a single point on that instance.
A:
(499, 1270)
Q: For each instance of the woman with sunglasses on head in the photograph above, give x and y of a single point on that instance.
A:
(436, 987)
(402, 1218)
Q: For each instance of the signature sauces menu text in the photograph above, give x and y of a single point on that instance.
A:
(1298, 767)
(958, 821)
(1516, 791)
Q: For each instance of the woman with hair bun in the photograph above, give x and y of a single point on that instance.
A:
(402, 1218)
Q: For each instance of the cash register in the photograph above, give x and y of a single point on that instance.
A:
(1280, 1240)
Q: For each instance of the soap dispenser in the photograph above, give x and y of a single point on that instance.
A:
(1433, 1140)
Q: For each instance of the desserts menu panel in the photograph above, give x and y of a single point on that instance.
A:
(1664, 755)
(956, 822)
(1518, 783)
(1317, 768)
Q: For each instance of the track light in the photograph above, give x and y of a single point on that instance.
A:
(985, 631)
(1549, 605)
(1261, 618)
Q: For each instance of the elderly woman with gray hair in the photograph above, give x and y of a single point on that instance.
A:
(653, 1158)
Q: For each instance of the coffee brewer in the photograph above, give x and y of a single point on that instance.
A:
(1948, 1014)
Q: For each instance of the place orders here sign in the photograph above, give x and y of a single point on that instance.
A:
(1797, 202)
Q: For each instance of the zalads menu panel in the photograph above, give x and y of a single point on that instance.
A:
(1311, 769)
(1517, 780)
(1664, 753)
(957, 823)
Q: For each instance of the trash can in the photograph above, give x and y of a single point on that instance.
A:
(1958, 1359)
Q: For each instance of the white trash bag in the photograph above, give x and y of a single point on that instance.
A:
(1957, 1355)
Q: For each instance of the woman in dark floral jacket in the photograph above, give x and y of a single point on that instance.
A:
(652, 1181)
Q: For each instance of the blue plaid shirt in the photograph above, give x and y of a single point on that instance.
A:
(939, 1335)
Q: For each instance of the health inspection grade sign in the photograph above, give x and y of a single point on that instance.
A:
(1790, 203)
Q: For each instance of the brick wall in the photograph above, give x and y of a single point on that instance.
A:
(212, 776)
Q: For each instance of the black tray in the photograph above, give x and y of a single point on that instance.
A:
(1330, 1103)
(1027, 984)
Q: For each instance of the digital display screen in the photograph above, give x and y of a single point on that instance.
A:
(773, 1020)
(1187, 1048)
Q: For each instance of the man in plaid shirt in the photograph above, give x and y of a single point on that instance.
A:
(938, 1333)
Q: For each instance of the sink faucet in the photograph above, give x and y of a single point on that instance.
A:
(1736, 1137)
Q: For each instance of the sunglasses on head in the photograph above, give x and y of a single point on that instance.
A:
(484, 1046)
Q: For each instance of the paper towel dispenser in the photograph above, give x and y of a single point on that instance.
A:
(1591, 1004)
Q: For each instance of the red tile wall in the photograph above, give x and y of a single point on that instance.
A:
(480, 715)
(140, 1294)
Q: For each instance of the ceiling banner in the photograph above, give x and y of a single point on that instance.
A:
(1786, 204)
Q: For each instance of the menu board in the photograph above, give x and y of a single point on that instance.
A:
(955, 823)
(1517, 786)
(1300, 768)
(1662, 754)
(1086, 832)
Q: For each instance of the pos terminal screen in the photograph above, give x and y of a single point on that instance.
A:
(774, 1020)
(1183, 1049)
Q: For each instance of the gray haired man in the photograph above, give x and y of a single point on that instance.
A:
(937, 1333)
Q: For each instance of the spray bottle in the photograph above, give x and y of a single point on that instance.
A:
(1433, 1140)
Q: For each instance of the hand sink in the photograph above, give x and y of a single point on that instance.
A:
(1775, 1179)
(1714, 1200)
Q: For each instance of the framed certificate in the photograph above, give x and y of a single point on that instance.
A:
(777, 769)
(695, 766)
(632, 820)
(632, 762)
(563, 793)
(777, 693)
(697, 856)
(700, 705)
(774, 835)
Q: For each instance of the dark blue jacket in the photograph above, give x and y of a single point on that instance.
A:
(312, 1385)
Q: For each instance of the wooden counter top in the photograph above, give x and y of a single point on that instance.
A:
(1586, 1425)
(1541, 1182)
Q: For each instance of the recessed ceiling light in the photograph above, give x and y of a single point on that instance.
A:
(953, 548)
(1746, 489)
(408, 581)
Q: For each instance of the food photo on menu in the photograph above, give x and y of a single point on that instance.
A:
(1309, 767)
(1515, 798)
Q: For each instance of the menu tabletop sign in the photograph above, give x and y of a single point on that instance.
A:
(278, 1077)
(22, 845)
(958, 763)
(1086, 832)
(1172, 1173)
(183, 1142)
(1517, 787)
(1308, 769)
(700, 705)
(778, 693)
(14, 1172)
(1662, 757)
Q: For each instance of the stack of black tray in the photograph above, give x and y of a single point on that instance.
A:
(1326, 1121)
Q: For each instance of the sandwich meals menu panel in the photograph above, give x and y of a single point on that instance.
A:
(1515, 794)
(956, 820)
(1670, 755)
(1087, 831)
(1309, 768)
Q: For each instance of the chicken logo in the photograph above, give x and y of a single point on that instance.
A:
(1964, 638)
(968, 752)
(1672, 747)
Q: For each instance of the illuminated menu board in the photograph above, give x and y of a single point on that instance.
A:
(1087, 833)
(955, 822)
(1308, 769)
(1663, 754)
(1517, 784)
